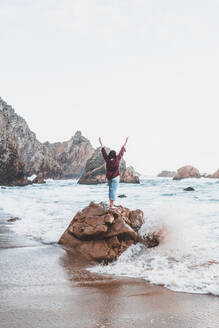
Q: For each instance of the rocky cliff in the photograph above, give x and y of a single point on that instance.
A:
(95, 170)
(71, 155)
(11, 166)
(22, 152)
(35, 156)
(49, 160)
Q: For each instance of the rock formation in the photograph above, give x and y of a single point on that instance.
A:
(11, 166)
(39, 179)
(35, 156)
(215, 175)
(72, 155)
(58, 160)
(166, 174)
(187, 172)
(95, 170)
(102, 234)
(129, 176)
(189, 189)
(49, 160)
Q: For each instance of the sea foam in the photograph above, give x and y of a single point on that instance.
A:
(187, 258)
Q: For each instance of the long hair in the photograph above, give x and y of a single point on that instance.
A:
(112, 154)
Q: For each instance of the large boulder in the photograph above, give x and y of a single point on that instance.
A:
(129, 176)
(186, 172)
(166, 174)
(95, 170)
(215, 175)
(102, 234)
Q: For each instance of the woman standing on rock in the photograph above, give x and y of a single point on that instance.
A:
(112, 169)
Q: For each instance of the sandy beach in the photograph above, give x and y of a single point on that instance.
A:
(46, 286)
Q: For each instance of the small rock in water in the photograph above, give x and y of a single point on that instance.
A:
(189, 189)
(14, 219)
(3, 188)
(39, 179)
(122, 196)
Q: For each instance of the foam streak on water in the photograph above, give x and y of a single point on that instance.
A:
(187, 258)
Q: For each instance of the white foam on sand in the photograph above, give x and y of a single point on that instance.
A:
(183, 261)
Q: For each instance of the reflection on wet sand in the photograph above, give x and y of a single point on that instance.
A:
(121, 302)
(49, 286)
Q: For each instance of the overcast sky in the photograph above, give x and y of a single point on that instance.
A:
(144, 69)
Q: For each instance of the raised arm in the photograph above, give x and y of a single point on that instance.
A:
(126, 140)
(103, 150)
(121, 153)
(100, 141)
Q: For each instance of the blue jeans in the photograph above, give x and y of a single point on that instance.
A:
(113, 186)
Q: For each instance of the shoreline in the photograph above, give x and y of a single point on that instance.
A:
(49, 286)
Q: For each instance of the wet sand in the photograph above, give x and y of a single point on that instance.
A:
(46, 286)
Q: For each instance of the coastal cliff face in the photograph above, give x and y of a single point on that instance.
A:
(48, 160)
(95, 170)
(71, 155)
(11, 166)
(23, 155)
(35, 156)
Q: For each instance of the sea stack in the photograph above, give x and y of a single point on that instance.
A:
(166, 174)
(215, 175)
(186, 172)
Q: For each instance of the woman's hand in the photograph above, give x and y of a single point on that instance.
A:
(100, 141)
(126, 140)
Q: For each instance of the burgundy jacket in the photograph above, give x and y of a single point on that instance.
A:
(112, 165)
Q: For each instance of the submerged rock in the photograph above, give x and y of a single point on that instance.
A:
(189, 189)
(186, 172)
(14, 219)
(102, 234)
(122, 196)
(95, 170)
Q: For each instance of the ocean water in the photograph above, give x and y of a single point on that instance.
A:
(187, 259)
